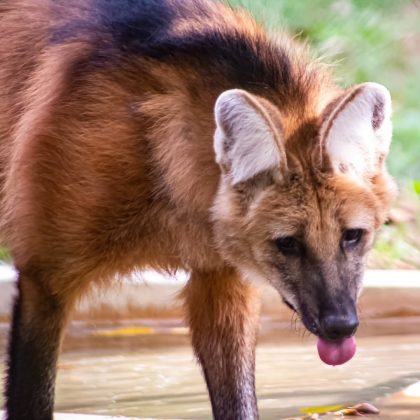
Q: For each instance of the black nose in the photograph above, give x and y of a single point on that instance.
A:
(338, 326)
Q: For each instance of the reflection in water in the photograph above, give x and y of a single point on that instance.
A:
(166, 383)
(413, 390)
(139, 373)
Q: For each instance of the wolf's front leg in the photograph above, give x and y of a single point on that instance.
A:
(223, 316)
(38, 321)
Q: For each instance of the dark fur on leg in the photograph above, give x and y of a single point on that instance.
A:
(223, 315)
(10, 389)
(33, 351)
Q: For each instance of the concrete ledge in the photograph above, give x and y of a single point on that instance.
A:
(387, 293)
(392, 279)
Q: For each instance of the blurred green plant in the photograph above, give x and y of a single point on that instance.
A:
(395, 248)
(4, 255)
(416, 186)
(375, 40)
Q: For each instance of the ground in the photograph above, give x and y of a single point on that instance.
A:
(135, 372)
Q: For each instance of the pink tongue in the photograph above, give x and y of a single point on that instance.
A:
(336, 352)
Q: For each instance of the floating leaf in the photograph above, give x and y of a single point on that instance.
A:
(321, 410)
(126, 332)
(358, 410)
(366, 408)
(347, 412)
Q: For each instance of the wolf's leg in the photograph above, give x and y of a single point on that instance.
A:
(223, 316)
(38, 321)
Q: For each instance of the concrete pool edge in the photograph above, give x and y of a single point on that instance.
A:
(387, 293)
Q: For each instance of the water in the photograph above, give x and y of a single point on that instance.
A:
(144, 371)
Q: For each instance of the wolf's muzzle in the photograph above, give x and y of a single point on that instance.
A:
(336, 326)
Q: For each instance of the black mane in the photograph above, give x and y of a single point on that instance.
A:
(143, 27)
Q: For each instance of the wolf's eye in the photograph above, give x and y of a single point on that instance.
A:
(288, 245)
(352, 237)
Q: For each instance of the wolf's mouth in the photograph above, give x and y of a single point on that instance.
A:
(331, 351)
(288, 304)
(306, 320)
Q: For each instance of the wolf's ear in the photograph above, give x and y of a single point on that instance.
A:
(246, 141)
(356, 133)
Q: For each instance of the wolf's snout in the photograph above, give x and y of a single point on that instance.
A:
(338, 326)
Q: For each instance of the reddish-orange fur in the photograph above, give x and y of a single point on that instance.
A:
(109, 169)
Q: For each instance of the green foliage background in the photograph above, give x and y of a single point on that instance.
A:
(369, 40)
(366, 40)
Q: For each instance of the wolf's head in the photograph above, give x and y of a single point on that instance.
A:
(299, 208)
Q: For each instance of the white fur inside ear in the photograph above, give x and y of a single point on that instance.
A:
(244, 141)
(359, 131)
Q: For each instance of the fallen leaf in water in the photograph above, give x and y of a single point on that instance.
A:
(366, 408)
(347, 412)
(317, 413)
(321, 410)
(357, 410)
(125, 332)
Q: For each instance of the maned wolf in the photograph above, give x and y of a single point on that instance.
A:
(175, 134)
